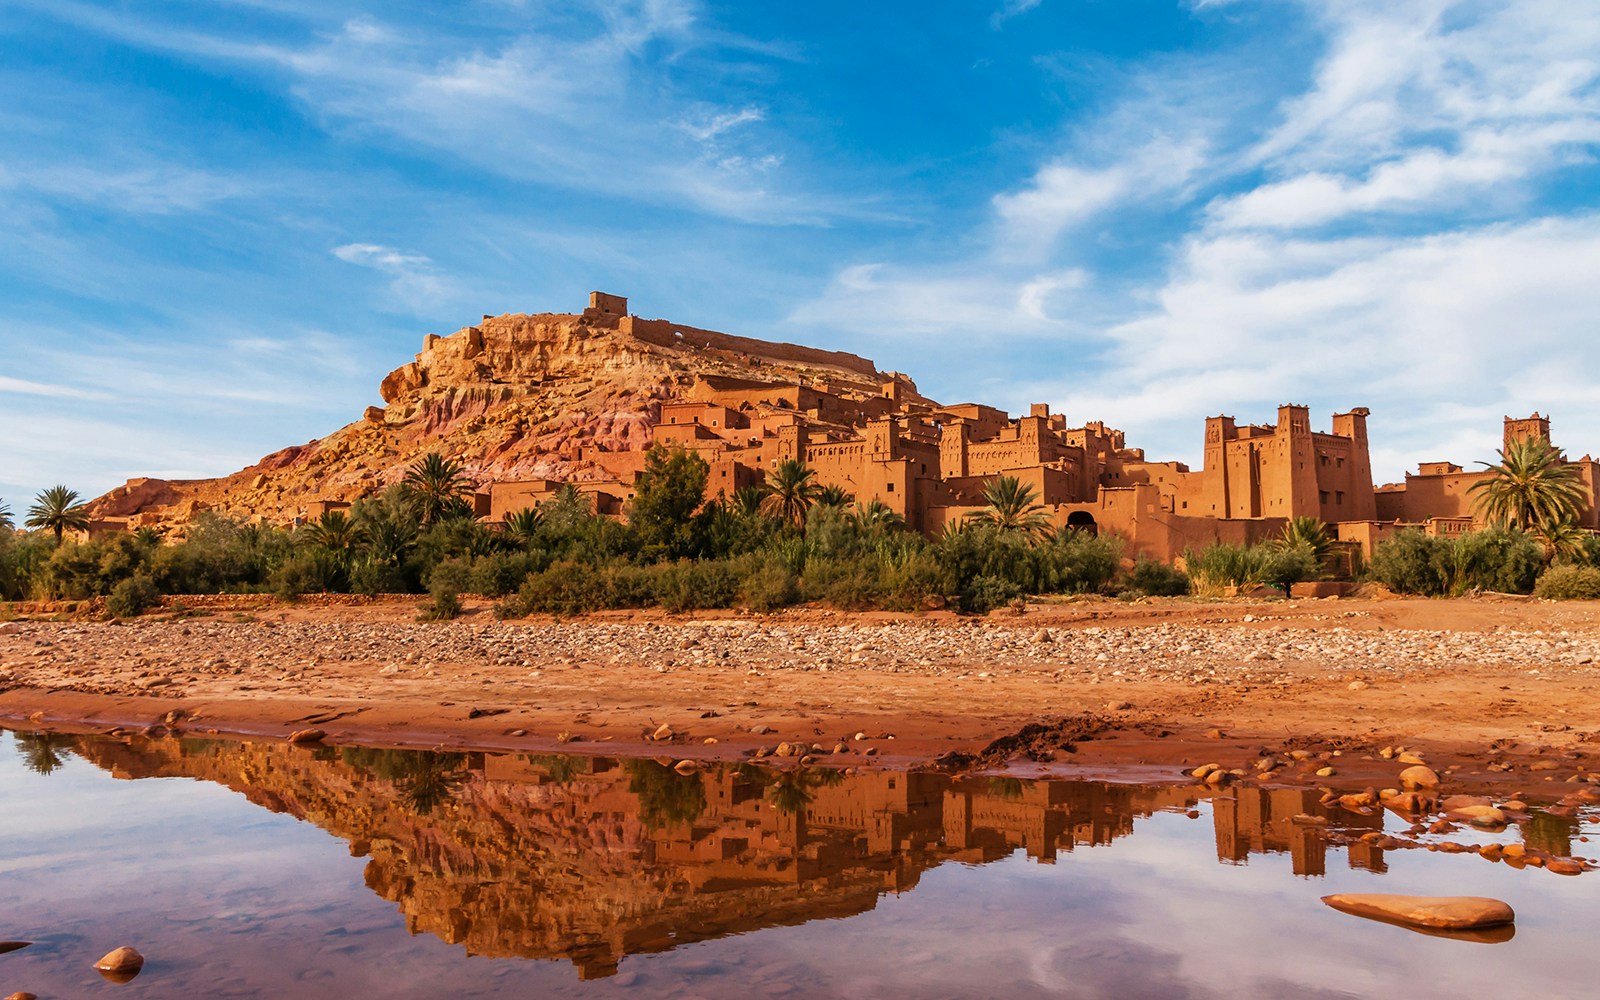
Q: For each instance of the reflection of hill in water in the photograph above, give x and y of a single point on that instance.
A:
(591, 859)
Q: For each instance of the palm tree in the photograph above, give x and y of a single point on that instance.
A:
(57, 509)
(523, 526)
(1564, 539)
(337, 532)
(833, 496)
(1532, 485)
(875, 515)
(1307, 531)
(5, 517)
(1011, 505)
(790, 491)
(434, 486)
(389, 540)
(746, 501)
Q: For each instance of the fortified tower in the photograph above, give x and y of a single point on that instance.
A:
(1535, 427)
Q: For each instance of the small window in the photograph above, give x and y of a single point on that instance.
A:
(1338, 496)
(1323, 496)
(891, 487)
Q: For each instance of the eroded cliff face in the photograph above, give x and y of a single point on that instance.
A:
(515, 397)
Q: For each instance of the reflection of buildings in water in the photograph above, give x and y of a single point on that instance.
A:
(591, 859)
(1262, 821)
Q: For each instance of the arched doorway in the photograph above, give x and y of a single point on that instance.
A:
(1082, 520)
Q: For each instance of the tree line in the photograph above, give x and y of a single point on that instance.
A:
(787, 541)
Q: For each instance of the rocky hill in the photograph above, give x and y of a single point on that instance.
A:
(514, 397)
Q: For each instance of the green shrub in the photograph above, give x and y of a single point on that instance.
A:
(1569, 583)
(1078, 562)
(694, 586)
(1220, 565)
(309, 572)
(1157, 579)
(500, 573)
(132, 597)
(766, 584)
(445, 584)
(1506, 562)
(985, 593)
(1410, 562)
(847, 584)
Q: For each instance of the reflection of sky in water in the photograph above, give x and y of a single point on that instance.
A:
(229, 900)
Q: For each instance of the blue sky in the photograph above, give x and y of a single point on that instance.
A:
(226, 220)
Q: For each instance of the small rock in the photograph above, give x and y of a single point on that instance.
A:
(784, 749)
(1563, 866)
(307, 736)
(1118, 706)
(1407, 757)
(9, 628)
(1204, 771)
(1358, 685)
(1043, 635)
(1441, 912)
(1479, 815)
(686, 767)
(120, 964)
(1419, 776)
(1325, 772)
(663, 732)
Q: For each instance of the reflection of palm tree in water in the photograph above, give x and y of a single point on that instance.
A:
(792, 790)
(431, 785)
(1006, 788)
(42, 753)
(425, 780)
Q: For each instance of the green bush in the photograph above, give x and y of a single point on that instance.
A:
(132, 597)
(500, 573)
(1410, 562)
(765, 584)
(694, 586)
(309, 572)
(985, 593)
(1506, 562)
(1157, 579)
(1569, 583)
(445, 583)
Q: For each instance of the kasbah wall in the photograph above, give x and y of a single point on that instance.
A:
(930, 463)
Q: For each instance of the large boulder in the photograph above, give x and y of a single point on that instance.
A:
(1457, 913)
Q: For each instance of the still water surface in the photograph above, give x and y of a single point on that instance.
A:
(256, 870)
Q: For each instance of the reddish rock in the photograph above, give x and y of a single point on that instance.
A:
(1437, 912)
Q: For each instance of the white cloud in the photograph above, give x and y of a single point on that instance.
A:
(882, 302)
(24, 387)
(1009, 9)
(1424, 330)
(1063, 194)
(706, 125)
(417, 283)
(1427, 105)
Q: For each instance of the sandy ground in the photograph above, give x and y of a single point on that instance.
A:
(1496, 693)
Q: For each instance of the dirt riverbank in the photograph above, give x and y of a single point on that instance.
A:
(1496, 693)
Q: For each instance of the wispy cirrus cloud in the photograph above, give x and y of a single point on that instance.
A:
(416, 282)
